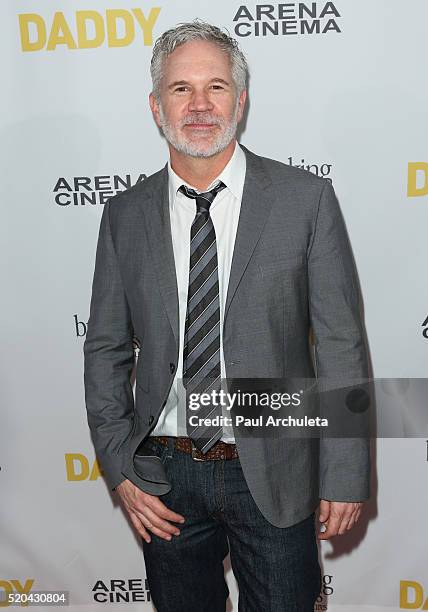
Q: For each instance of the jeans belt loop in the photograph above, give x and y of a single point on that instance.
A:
(194, 450)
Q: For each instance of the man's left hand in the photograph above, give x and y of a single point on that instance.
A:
(338, 517)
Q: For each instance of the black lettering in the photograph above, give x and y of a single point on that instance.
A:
(105, 196)
(310, 28)
(78, 324)
(331, 25)
(325, 170)
(100, 597)
(243, 13)
(62, 184)
(289, 26)
(312, 12)
(122, 597)
(264, 9)
(120, 584)
(99, 585)
(91, 198)
(120, 182)
(270, 27)
(138, 596)
(135, 584)
(62, 195)
(82, 181)
(100, 182)
(309, 168)
(283, 9)
(329, 9)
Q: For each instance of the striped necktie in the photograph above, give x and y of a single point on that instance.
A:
(201, 352)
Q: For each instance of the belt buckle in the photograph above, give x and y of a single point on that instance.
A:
(194, 450)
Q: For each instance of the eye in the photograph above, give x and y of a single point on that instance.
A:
(217, 86)
(181, 88)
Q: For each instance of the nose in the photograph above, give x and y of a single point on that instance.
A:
(200, 101)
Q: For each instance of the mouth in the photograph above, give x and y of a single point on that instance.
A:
(200, 126)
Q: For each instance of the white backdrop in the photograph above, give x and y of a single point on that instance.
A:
(351, 101)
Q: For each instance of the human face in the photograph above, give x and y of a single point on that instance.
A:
(199, 109)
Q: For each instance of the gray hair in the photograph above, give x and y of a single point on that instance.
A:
(197, 30)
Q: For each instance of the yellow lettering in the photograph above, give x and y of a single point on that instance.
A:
(147, 24)
(84, 42)
(60, 33)
(7, 588)
(418, 598)
(70, 459)
(412, 188)
(112, 15)
(96, 471)
(24, 21)
(26, 588)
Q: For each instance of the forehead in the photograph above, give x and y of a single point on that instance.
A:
(197, 59)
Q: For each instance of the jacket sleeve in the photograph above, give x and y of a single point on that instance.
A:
(341, 359)
(108, 358)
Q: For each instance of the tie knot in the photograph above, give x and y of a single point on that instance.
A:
(205, 199)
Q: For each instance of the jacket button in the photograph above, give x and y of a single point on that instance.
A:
(172, 368)
(151, 419)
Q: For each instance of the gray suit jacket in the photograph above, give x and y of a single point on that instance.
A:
(292, 268)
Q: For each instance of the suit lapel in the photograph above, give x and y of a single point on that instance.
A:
(255, 207)
(160, 238)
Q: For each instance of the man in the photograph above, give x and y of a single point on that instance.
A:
(227, 283)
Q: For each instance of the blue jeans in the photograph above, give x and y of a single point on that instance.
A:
(276, 569)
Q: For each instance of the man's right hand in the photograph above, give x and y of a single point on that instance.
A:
(147, 512)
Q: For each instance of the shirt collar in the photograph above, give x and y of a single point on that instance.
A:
(232, 175)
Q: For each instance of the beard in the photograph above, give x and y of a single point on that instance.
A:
(199, 147)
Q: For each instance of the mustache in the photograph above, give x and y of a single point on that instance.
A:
(202, 119)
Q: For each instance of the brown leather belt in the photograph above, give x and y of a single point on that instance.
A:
(220, 450)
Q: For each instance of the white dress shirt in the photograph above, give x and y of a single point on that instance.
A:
(224, 213)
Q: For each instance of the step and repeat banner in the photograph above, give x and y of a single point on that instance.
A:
(337, 88)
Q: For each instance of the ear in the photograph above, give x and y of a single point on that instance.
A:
(241, 106)
(155, 109)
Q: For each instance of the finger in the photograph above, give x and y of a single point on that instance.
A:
(351, 523)
(324, 511)
(163, 511)
(149, 522)
(139, 527)
(354, 519)
(343, 525)
(332, 527)
(161, 524)
(161, 534)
